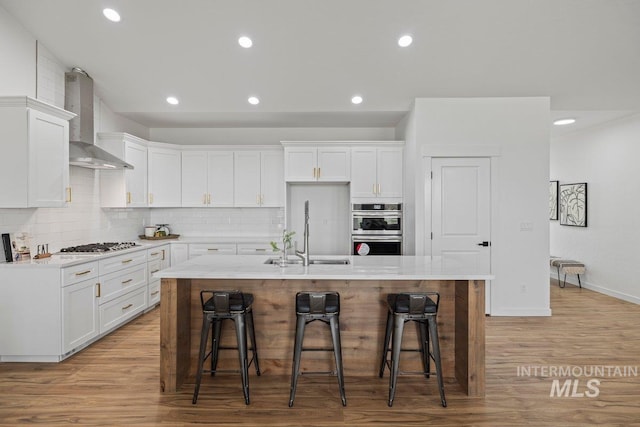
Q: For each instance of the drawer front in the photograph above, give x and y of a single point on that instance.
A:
(78, 273)
(254, 249)
(116, 263)
(159, 253)
(119, 283)
(154, 293)
(154, 267)
(198, 249)
(121, 309)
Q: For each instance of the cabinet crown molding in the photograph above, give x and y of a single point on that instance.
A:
(28, 102)
(339, 143)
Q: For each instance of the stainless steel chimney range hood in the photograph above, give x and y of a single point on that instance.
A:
(78, 99)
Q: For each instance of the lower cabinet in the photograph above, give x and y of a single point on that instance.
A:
(158, 259)
(121, 309)
(80, 308)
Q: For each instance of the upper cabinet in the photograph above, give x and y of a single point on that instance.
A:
(164, 176)
(124, 188)
(207, 178)
(311, 163)
(376, 172)
(258, 178)
(34, 141)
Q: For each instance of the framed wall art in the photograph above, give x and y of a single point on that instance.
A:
(573, 204)
(553, 200)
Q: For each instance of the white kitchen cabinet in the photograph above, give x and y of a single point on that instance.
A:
(158, 259)
(207, 178)
(124, 188)
(258, 178)
(34, 141)
(81, 317)
(258, 248)
(179, 253)
(376, 172)
(305, 163)
(199, 249)
(164, 165)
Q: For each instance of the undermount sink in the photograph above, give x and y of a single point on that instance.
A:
(311, 261)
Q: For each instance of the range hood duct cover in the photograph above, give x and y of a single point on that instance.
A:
(78, 99)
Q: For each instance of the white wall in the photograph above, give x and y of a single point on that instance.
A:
(517, 128)
(406, 131)
(266, 136)
(105, 120)
(17, 58)
(606, 158)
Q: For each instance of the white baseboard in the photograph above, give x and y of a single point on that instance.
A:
(573, 280)
(522, 312)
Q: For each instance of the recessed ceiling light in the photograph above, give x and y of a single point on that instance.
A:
(253, 100)
(111, 15)
(405, 40)
(172, 100)
(561, 122)
(245, 42)
(356, 99)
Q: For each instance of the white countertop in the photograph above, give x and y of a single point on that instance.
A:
(360, 268)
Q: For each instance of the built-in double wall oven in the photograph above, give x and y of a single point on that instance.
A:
(376, 229)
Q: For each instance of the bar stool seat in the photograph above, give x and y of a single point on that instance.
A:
(422, 309)
(220, 306)
(324, 307)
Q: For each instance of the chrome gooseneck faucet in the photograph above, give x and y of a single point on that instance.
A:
(304, 255)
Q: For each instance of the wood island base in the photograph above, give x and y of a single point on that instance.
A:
(363, 314)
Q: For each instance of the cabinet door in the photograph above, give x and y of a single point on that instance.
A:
(80, 314)
(136, 179)
(48, 160)
(179, 253)
(272, 178)
(246, 178)
(164, 177)
(389, 172)
(363, 172)
(194, 178)
(301, 163)
(220, 178)
(334, 164)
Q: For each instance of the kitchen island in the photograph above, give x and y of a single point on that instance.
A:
(362, 283)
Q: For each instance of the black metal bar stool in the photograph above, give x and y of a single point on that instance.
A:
(325, 307)
(419, 308)
(220, 306)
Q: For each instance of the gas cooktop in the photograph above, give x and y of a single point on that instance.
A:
(99, 247)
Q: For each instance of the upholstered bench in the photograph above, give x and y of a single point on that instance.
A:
(567, 266)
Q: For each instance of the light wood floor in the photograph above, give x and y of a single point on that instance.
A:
(115, 381)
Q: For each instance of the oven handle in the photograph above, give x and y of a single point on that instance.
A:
(376, 238)
(377, 214)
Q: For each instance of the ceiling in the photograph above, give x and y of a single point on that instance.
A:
(309, 57)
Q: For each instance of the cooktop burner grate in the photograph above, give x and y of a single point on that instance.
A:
(100, 247)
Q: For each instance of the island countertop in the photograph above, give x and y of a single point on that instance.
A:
(359, 268)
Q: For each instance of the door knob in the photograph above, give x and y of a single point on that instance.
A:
(485, 243)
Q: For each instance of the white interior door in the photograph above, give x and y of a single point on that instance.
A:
(461, 209)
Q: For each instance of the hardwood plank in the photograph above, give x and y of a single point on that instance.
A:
(470, 337)
(114, 382)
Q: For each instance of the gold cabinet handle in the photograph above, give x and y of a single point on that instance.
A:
(262, 199)
(150, 198)
(318, 173)
(257, 199)
(126, 261)
(154, 293)
(127, 306)
(82, 273)
(155, 253)
(128, 197)
(314, 172)
(155, 271)
(374, 189)
(68, 199)
(209, 198)
(127, 281)
(213, 249)
(98, 290)
(379, 189)
(163, 254)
